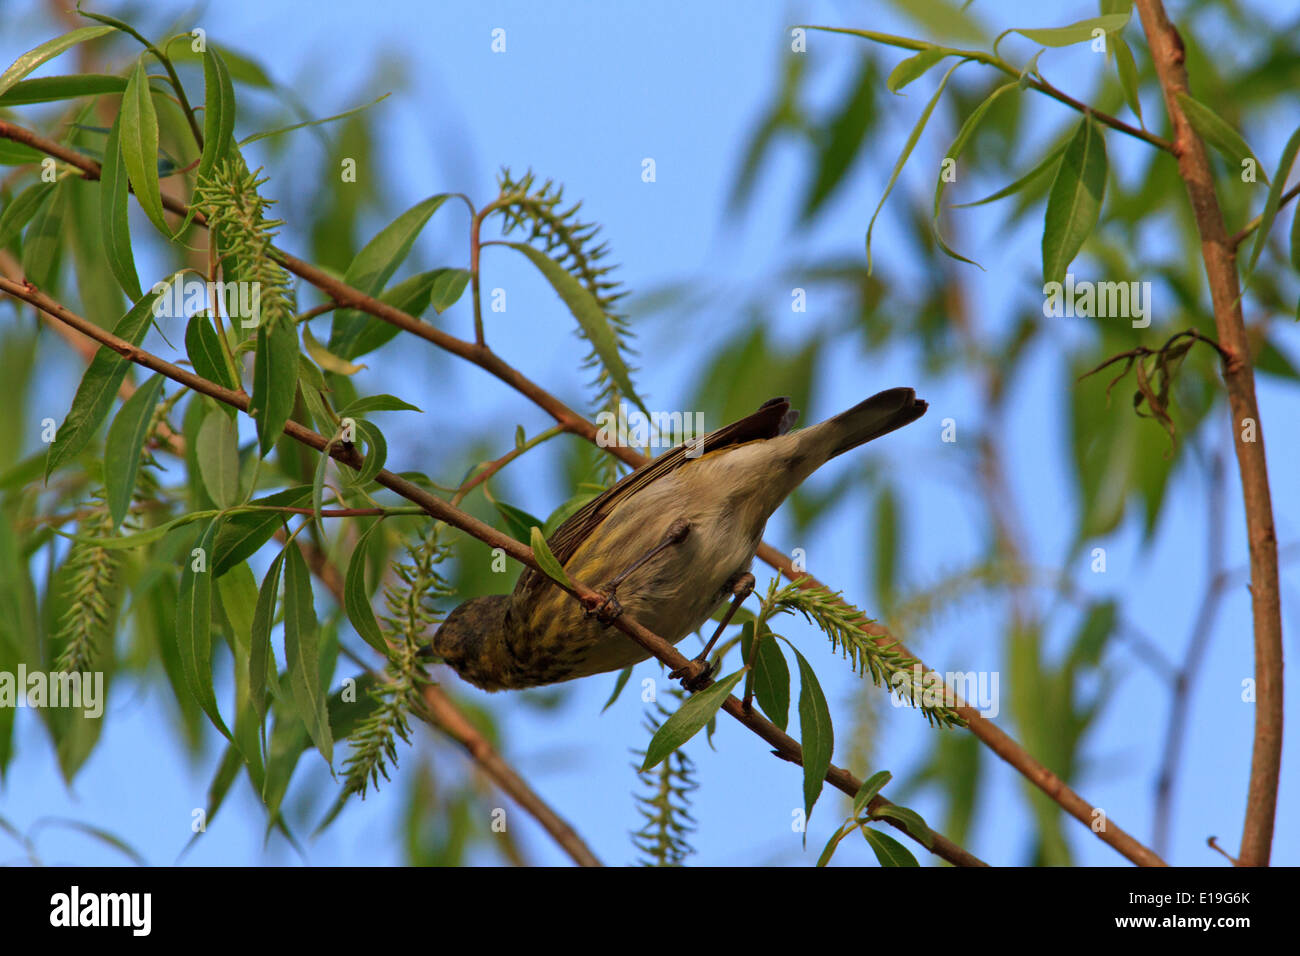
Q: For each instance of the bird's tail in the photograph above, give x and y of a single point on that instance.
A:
(878, 415)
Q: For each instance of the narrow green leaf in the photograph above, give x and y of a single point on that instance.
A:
(1295, 239)
(124, 444)
(907, 151)
(584, 307)
(1274, 201)
(244, 533)
(374, 265)
(519, 523)
(885, 559)
(1127, 69)
(318, 480)
(440, 287)
(47, 51)
(49, 89)
(98, 387)
(203, 346)
(888, 850)
(689, 719)
(954, 151)
(1043, 165)
(1215, 131)
(18, 154)
(1076, 32)
(260, 657)
(816, 733)
(44, 242)
(1074, 204)
(194, 624)
(21, 209)
(302, 652)
(140, 538)
(356, 596)
(218, 112)
(376, 455)
(218, 456)
(546, 560)
(867, 792)
(324, 357)
(836, 838)
(316, 122)
(771, 675)
(915, 824)
(139, 138)
(114, 227)
(377, 403)
(913, 68)
(619, 684)
(275, 381)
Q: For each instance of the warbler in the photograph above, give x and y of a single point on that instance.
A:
(667, 544)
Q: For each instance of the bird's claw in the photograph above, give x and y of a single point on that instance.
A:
(695, 675)
(605, 610)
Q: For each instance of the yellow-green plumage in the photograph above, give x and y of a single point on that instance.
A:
(540, 635)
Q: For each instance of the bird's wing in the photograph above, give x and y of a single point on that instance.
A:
(774, 417)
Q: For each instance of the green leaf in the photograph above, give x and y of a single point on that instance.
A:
(885, 563)
(915, 824)
(376, 454)
(324, 357)
(688, 720)
(833, 843)
(546, 560)
(1295, 239)
(1128, 75)
(954, 151)
(114, 227)
(888, 850)
(1046, 163)
(907, 151)
(21, 209)
(377, 403)
(1215, 131)
(816, 733)
(98, 387)
(619, 684)
(356, 596)
(914, 67)
(1074, 204)
(842, 139)
(47, 51)
(374, 265)
(869, 789)
(1076, 32)
(302, 652)
(209, 359)
(771, 675)
(1274, 201)
(18, 154)
(584, 307)
(218, 112)
(245, 532)
(43, 244)
(260, 656)
(441, 287)
(316, 122)
(218, 456)
(49, 89)
(519, 523)
(141, 538)
(194, 625)
(124, 444)
(275, 381)
(139, 138)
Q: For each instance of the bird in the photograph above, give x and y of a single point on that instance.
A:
(668, 544)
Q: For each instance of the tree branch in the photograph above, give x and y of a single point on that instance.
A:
(1239, 378)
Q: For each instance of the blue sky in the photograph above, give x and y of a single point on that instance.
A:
(584, 93)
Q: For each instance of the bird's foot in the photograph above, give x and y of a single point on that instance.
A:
(695, 675)
(605, 609)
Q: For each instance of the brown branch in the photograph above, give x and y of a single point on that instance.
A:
(1239, 378)
(786, 747)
